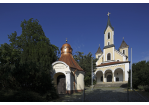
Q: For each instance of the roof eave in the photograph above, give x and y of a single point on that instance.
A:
(113, 64)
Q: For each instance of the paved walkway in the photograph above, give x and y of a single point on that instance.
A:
(111, 94)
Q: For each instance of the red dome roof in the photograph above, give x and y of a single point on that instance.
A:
(66, 56)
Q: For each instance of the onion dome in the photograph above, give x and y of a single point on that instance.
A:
(66, 56)
(66, 48)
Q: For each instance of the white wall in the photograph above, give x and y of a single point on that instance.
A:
(126, 71)
(120, 74)
(80, 80)
(72, 82)
(99, 74)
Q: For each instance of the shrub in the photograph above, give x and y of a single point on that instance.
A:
(146, 88)
(141, 87)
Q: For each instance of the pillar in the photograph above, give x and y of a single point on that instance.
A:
(68, 82)
(103, 78)
(112, 76)
(123, 76)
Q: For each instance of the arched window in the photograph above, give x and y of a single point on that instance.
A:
(117, 79)
(123, 51)
(98, 56)
(108, 43)
(108, 56)
(109, 35)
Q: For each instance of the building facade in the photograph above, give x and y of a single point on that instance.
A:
(112, 65)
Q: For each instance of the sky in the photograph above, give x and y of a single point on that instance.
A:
(83, 24)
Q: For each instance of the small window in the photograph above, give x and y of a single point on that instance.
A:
(109, 35)
(108, 43)
(117, 79)
(98, 56)
(108, 56)
(123, 51)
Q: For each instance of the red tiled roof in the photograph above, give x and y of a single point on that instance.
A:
(112, 63)
(69, 60)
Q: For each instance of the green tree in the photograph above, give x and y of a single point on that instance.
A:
(84, 62)
(26, 61)
(140, 74)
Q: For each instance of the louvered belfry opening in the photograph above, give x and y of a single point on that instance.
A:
(108, 56)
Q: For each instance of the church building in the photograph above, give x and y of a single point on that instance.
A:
(112, 65)
(67, 74)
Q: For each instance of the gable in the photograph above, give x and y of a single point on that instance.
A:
(59, 67)
(99, 61)
(119, 56)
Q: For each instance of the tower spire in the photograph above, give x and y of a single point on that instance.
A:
(109, 23)
(108, 14)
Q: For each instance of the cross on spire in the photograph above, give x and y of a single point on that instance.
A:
(99, 45)
(108, 13)
(123, 38)
(66, 40)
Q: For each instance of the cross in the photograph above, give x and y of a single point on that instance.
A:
(108, 13)
(99, 45)
(123, 38)
(66, 40)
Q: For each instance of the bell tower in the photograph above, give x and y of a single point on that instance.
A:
(109, 42)
(109, 33)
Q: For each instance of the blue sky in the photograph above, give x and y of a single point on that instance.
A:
(82, 24)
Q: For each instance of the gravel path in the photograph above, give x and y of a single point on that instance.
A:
(116, 94)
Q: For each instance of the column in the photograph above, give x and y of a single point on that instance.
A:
(123, 76)
(112, 77)
(103, 78)
(68, 82)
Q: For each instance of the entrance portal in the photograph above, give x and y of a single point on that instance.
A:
(61, 84)
(109, 78)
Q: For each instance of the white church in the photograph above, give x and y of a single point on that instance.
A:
(112, 65)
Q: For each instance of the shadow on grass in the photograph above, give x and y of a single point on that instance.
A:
(20, 96)
(23, 96)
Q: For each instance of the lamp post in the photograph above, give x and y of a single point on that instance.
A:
(131, 71)
(92, 72)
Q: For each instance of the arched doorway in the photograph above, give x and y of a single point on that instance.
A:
(108, 75)
(61, 84)
(99, 76)
(109, 78)
(118, 75)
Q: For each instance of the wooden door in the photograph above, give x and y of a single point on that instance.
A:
(61, 84)
(109, 78)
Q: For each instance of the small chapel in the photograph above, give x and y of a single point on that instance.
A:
(112, 65)
(67, 74)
